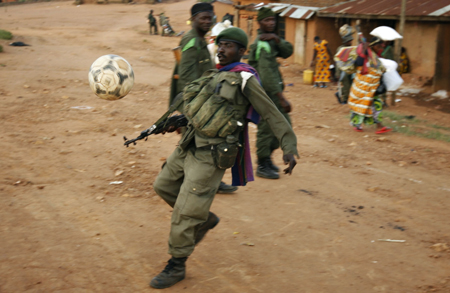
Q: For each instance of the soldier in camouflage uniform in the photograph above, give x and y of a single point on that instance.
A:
(263, 53)
(189, 180)
(195, 58)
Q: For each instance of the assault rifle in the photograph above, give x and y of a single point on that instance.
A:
(162, 125)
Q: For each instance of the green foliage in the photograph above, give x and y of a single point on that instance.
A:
(5, 35)
(1, 48)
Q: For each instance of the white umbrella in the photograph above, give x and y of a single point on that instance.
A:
(386, 33)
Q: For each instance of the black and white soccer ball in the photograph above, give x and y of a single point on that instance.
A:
(111, 77)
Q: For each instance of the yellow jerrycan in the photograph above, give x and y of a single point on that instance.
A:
(308, 76)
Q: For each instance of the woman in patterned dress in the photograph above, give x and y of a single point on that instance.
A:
(364, 99)
(322, 60)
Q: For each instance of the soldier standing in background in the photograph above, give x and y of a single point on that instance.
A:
(195, 58)
(152, 22)
(263, 53)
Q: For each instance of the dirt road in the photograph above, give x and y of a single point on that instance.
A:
(65, 228)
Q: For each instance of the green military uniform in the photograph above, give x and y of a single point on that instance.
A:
(195, 60)
(216, 107)
(262, 57)
(189, 180)
(152, 22)
(346, 81)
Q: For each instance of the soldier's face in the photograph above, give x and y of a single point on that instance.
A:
(203, 21)
(229, 52)
(268, 24)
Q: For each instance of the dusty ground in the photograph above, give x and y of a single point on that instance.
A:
(64, 228)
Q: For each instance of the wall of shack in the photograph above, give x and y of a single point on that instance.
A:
(420, 40)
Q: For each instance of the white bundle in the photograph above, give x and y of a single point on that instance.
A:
(391, 78)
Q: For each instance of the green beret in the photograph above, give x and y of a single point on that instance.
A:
(264, 12)
(233, 34)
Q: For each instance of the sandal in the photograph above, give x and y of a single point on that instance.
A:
(383, 130)
(358, 129)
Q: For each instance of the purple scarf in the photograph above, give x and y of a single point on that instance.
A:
(242, 171)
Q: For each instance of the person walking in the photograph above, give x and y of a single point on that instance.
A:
(195, 59)
(365, 94)
(345, 79)
(263, 53)
(322, 61)
(189, 179)
(152, 22)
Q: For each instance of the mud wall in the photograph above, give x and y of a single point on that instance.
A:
(420, 39)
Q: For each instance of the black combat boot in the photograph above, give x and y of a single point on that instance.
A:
(225, 188)
(174, 272)
(210, 223)
(273, 166)
(265, 171)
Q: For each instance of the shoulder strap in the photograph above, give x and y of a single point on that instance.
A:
(189, 45)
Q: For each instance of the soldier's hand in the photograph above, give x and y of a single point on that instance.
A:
(286, 105)
(289, 159)
(170, 129)
(268, 37)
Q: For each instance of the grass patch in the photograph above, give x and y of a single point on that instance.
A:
(410, 126)
(440, 127)
(1, 48)
(399, 118)
(5, 35)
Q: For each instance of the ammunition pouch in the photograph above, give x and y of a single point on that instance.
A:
(224, 154)
(209, 104)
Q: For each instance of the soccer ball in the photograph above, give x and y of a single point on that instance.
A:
(111, 77)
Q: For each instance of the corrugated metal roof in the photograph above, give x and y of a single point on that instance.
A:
(293, 11)
(225, 1)
(391, 7)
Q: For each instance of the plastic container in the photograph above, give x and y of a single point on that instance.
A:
(308, 76)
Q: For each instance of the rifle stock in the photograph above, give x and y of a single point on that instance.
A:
(177, 54)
